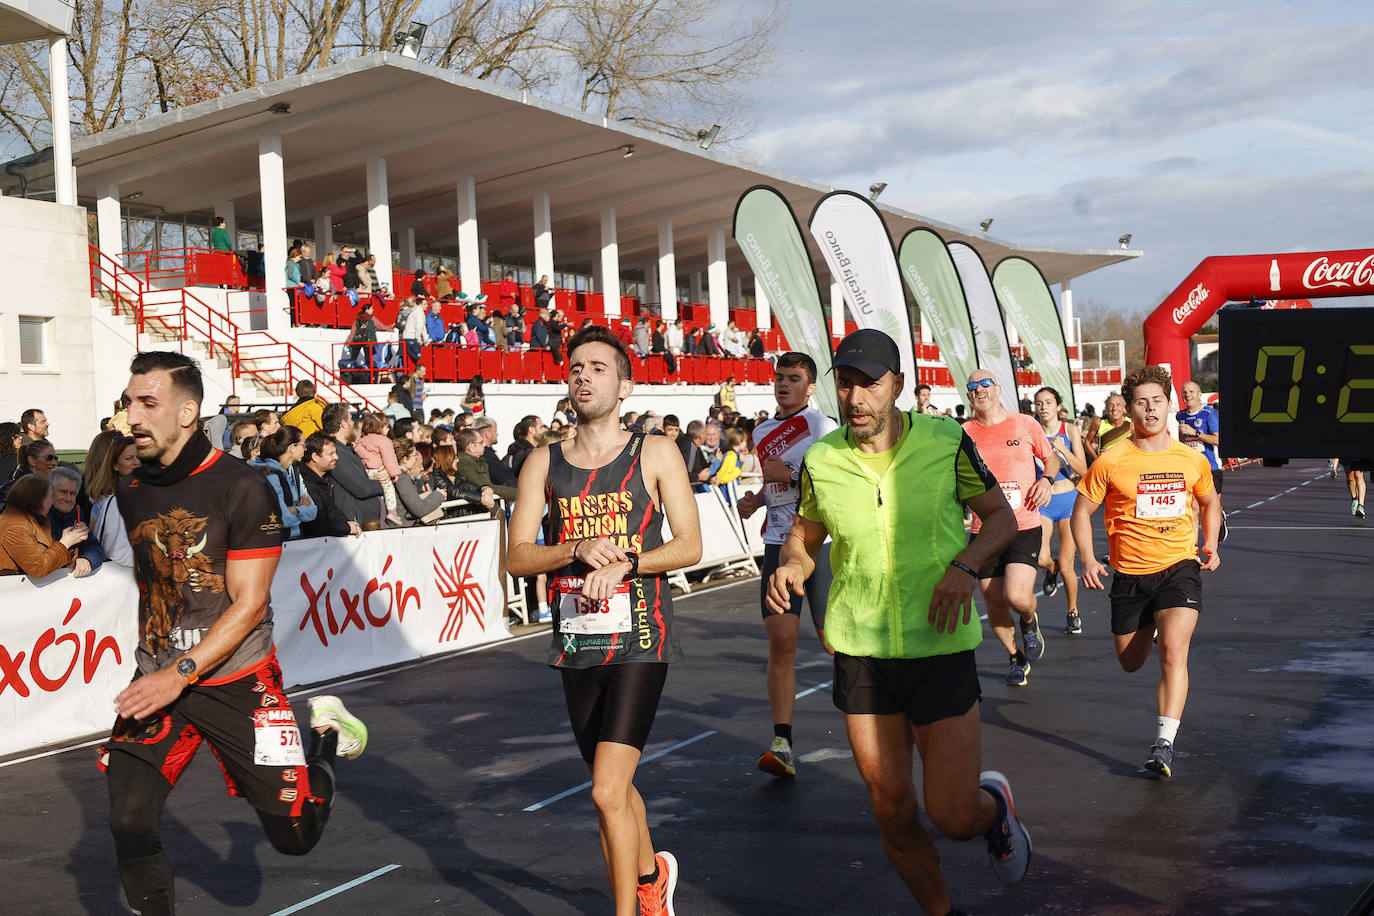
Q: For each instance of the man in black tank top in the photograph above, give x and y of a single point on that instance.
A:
(607, 492)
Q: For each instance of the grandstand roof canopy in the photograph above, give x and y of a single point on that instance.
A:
(29, 20)
(433, 126)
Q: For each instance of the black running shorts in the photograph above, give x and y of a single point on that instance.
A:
(1135, 599)
(613, 703)
(250, 714)
(1024, 549)
(1217, 478)
(817, 587)
(925, 689)
(1358, 464)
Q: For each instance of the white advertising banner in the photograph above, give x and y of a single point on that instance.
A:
(66, 650)
(989, 331)
(340, 605)
(855, 242)
(350, 604)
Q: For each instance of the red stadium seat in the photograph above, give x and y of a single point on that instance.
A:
(512, 366)
(657, 371)
(445, 356)
(490, 361)
(468, 363)
(532, 366)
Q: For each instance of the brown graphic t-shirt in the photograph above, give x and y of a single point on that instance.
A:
(182, 535)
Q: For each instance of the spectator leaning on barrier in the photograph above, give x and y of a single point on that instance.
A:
(27, 547)
(418, 503)
(358, 497)
(473, 466)
(320, 454)
(444, 476)
(305, 414)
(110, 457)
(70, 509)
(277, 460)
(698, 467)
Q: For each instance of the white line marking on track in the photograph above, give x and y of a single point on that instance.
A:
(810, 690)
(1253, 505)
(587, 785)
(335, 891)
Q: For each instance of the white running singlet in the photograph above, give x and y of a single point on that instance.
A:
(786, 438)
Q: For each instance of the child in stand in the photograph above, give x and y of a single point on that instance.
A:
(379, 457)
(731, 464)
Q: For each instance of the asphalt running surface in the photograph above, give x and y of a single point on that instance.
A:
(471, 797)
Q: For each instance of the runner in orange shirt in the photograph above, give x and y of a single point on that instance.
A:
(1145, 484)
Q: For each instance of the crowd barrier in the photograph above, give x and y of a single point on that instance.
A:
(341, 605)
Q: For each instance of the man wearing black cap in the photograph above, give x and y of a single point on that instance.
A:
(889, 489)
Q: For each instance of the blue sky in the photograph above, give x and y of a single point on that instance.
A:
(1200, 128)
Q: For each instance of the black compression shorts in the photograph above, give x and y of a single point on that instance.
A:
(613, 703)
(817, 587)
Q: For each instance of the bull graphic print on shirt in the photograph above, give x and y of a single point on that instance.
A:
(174, 544)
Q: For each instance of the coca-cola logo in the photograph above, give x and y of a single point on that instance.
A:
(1322, 273)
(1195, 299)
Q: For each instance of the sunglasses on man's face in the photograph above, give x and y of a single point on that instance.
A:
(981, 383)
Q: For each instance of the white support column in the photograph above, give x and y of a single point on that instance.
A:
(324, 236)
(379, 218)
(694, 290)
(836, 309)
(63, 175)
(108, 224)
(225, 208)
(610, 262)
(651, 290)
(408, 259)
(762, 313)
(1066, 311)
(543, 237)
(484, 248)
(469, 249)
(717, 280)
(667, 271)
(272, 194)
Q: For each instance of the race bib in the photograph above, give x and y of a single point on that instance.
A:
(1161, 499)
(276, 739)
(1012, 491)
(578, 614)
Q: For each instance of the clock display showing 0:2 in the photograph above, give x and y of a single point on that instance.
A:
(1296, 383)
(1277, 391)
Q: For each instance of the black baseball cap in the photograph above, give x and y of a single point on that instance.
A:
(870, 351)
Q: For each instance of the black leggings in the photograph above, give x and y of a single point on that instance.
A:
(138, 792)
(613, 703)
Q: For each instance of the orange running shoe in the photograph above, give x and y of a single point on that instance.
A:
(657, 899)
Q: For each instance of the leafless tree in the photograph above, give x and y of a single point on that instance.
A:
(669, 65)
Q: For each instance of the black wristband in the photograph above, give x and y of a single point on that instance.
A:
(634, 564)
(965, 567)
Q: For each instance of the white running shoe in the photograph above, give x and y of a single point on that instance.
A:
(330, 712)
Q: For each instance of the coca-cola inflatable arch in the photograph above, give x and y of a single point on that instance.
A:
(1221, 279)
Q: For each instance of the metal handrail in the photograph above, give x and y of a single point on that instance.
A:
(219, 332)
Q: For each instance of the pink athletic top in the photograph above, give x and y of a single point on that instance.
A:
(1009, 449)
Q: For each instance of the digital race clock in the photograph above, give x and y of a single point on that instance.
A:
(1297, 383)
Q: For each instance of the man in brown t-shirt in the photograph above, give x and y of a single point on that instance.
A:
(206, 539)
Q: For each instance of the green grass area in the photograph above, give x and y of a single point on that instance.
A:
(77, 458)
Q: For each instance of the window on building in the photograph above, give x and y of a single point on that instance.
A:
(33, 349)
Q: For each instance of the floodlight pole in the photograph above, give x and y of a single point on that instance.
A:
(63, 178)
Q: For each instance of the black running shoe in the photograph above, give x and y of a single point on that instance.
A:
(1051, 583)
(1073, 625)
(1222, 535)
